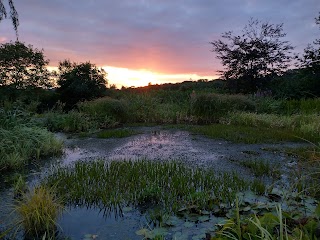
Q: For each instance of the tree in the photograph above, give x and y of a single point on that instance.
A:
(23, 66)
(311, 57)
(79, 82)
(255, 54)
(13, 15)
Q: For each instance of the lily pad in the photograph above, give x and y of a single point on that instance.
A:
(204, 218)
(188, 224)
(199, 237)
(180, 236)
(173, 221)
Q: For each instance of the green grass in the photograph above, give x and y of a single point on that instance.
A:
(261, 167)
(38, 211)
(21, 144)
(171, 185)
(116, 133)
(246, 134)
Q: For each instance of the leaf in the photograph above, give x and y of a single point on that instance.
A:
(199, 237)
(173, 221)
(188, 224)
(204, 218)
(180, 236)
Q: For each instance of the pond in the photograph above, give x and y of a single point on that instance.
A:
(157, 144)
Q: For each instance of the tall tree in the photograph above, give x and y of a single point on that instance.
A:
(79, 82)
(23, 66)
(13, 15)
(258, 52)
(311, 56)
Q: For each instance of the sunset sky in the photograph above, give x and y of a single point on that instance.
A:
(157, 41)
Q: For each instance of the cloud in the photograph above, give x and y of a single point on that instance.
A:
(170, 36)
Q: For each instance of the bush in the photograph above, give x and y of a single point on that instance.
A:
(210, 107)
(22, 143)
(107, 112)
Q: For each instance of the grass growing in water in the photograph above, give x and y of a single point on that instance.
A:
(171, 185)
(260, 168)
(245, 134)
(116, 133)
(38, 210)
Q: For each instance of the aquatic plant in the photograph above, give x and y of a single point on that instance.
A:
(37, 211)
(171, 185)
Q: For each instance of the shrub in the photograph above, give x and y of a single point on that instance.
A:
(108, 112)
(22, 143)
(210, 107)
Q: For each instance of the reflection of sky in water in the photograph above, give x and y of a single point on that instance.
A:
(79, 221)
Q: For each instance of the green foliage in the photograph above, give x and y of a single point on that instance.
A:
(108, 112)
(80, 82)
(73, 121)
(23, 66)
(21, 140)
(116, 133)
(171, 185)
(246, 134)
(298, 126)
(211, 107)
(38, 211)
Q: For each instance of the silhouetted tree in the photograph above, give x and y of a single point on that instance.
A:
(256, 53)
(13, 14)
(79, 82)
(311, 57)
(23, 66)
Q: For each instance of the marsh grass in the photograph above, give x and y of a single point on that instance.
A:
(260, 167)
(116, 133)
(22, 143)
(303, 126)
(37, 211)
(245, 134)
(211, 107)
(171, 185)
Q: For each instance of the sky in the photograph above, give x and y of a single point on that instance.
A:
(157, 41)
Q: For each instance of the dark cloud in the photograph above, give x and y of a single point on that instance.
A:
(169, 36)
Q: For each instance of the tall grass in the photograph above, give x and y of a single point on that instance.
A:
(37, 213)
(171, 185)
(305, 126)
(21, 140)
(211, 107)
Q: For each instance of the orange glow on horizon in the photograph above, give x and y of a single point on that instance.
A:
(142, 77)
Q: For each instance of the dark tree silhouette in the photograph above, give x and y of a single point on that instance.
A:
(13, 14)
(257, 53)
(311, 56)
(23, 66)
(79, 82)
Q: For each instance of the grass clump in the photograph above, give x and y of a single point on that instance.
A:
(171, 185)
(245, 134)
(21, 144)
(116, 133)
(260, 168)
(38, 210)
